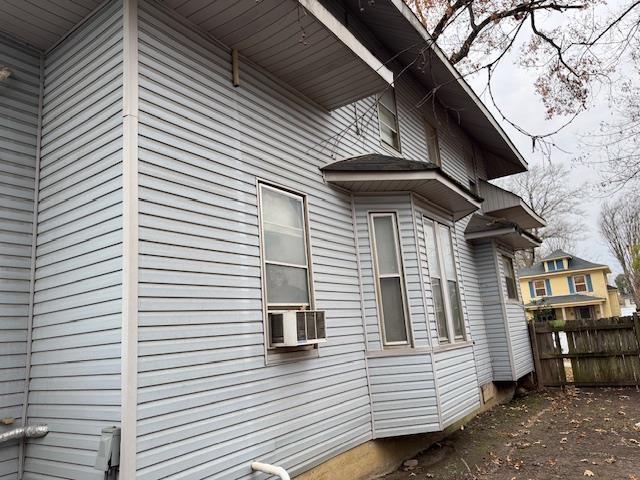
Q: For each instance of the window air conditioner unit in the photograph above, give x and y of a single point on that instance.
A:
(297, 328)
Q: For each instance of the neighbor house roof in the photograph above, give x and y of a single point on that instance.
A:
(575, 263)
(564, 299)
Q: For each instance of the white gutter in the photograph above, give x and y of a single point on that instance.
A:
(271, 469)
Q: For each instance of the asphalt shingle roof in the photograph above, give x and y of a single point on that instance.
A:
(557, 299)
(575, 263)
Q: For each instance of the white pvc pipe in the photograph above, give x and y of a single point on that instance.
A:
(272, 469)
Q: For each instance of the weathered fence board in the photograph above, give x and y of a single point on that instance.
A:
(600, 352)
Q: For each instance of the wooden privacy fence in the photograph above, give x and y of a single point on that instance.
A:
(587, 353)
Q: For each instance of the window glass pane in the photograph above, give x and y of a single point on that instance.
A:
(580, 283)
(385, 238)
(281, 209)
(432, 144)
(387, 117)
(388, 99)
(447, 252)
(540, 288)
(456, 311)
(438, 303)
(393, 310)
(432, 253)
(284, 244)
(287, 285)
(389, 136)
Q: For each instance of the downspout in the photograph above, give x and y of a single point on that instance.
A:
(32, 274)
(270, 469)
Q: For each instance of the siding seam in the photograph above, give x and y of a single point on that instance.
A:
(364, 315)
(32, 273)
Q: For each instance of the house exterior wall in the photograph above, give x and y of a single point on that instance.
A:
(560, 286)
(75, 365)
(19, 99)
(521, 355)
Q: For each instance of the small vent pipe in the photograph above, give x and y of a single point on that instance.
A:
(272, 469)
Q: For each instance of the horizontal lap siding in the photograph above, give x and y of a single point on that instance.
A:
(457, 383)
(18, 135)
(474, 302)
(208, 405)
(493, 314)
(518, 330)
(403, 394)
(75, 375)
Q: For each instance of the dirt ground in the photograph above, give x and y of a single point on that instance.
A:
(576, 434)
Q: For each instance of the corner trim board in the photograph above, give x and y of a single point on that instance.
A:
(129, 374)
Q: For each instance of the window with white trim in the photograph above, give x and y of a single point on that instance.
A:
(390, 289)
(444, 282)
(285, 249)
(510, 278)
(388, 119)
(580, 283)
(433, 147)
(540, 288)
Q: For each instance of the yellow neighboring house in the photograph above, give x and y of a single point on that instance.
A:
(563, 286)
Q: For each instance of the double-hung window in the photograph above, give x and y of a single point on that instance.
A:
(388, 119)
(444, 282)
(540, 288)
(285, 249)
(580, 283)
(390, 289)
(510, 278)
(433, 148)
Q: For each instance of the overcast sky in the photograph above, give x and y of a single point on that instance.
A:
(514, 91)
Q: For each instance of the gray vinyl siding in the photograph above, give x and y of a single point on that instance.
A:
(522, 356)
(457, 383)
(474, 302)
(495, 324)
(404, 395)
(208, 404)
(75, 375)
(18, 136)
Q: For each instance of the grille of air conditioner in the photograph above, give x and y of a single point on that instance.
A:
(297, 328)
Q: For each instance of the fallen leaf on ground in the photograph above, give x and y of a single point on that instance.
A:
(588, 473)
(563, 440)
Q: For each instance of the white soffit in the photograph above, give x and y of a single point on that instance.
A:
(42, 23)
(299, 41)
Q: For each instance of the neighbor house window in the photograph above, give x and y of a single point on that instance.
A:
(444, 281)
(510, 278)
(432, 144)
(285, 244)
(540, 288)
(388, 118)
(580, 283)
(390, 288)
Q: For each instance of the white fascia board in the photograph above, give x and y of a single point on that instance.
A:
(342, 33)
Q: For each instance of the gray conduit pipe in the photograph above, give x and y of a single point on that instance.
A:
(272, 469)
(32, 431)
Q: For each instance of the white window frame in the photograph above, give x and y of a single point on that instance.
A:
(271, 307)
(395, 128)
(544, 287)
(508, 267)
(584, 282)
(400, 275)
(451, 337)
